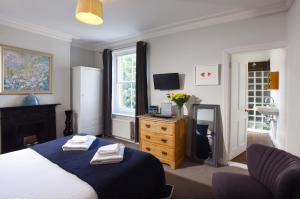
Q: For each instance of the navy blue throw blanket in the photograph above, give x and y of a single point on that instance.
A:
(138, 176)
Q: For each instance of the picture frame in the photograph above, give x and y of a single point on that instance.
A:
(206, 75)
(25, 71)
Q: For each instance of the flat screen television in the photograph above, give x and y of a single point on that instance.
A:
(167, 81)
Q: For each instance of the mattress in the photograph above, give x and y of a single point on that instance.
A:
(27, 174)
(46, 171)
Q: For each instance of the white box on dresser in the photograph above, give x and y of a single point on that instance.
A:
(86, 99)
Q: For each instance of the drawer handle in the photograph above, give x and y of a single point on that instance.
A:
(148, 149)
(164, 153)
(148, 125)
(164, 140)
(164, 128)
(148, 137)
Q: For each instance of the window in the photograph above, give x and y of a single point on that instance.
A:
(124, 72)
(257, 91)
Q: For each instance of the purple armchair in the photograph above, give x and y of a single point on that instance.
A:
(274, 174)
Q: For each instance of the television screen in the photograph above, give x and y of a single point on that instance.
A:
(167, 81)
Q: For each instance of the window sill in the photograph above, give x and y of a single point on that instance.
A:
(124, 115)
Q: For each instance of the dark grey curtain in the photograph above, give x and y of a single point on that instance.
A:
(141, 84)
(107, 92)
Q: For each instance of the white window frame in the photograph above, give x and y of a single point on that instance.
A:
(116, 110)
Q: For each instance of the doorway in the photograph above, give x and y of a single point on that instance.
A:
(250, 90)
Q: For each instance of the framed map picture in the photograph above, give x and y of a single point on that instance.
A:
(25, 71)
(207, 75)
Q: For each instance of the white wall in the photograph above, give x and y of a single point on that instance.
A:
(98, 60)
(83, 57)
(293, 74)
(181, 52)
(278, 63)
(245, 58)
(61, 69)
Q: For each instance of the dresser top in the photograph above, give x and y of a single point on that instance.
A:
(150, 117)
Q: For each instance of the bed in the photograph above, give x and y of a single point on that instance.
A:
(45, 171)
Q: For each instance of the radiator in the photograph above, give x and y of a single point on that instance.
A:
(123, 128)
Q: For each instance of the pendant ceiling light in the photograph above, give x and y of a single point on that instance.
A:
(90, 12)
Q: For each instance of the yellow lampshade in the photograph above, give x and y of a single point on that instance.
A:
(90, 12)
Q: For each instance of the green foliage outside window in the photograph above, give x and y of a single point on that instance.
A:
(127, 81)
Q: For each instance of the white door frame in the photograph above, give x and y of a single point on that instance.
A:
(226, 70)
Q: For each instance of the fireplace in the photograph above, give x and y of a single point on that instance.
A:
(29, 133)
(24, 126)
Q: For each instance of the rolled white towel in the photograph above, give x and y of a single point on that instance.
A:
(108, 159)
(79, 139)
(110, 149)
(79, 146)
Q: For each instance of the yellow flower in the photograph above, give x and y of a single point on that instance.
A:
(179, 98)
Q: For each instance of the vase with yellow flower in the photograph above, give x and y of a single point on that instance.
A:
(179, 99)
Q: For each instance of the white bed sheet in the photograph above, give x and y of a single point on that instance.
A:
(25, 174)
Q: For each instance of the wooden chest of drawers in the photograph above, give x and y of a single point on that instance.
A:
(164, 138)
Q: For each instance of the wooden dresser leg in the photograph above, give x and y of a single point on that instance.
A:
(173, 166)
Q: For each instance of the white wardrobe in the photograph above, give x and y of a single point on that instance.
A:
(86, 99)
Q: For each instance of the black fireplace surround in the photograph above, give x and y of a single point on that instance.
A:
(23, 126)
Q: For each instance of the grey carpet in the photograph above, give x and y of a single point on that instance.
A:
(188, 189)
(191, 180)
(194, 180)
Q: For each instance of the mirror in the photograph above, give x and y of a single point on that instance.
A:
(205, 134)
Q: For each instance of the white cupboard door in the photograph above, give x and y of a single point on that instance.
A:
(238, 116)
(90, 101)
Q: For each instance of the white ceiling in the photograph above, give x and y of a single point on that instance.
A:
(121, 17)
